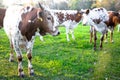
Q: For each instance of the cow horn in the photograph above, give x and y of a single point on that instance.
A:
(40, 6)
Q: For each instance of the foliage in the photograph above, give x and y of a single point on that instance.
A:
(80, 4)
(76, 4)
(57, 59)
(61, 6)
(108, 4)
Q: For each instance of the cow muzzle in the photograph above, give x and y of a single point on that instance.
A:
(55, 33)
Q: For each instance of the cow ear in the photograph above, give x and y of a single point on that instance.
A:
(40, 6)
(87, 11)
(39, 15)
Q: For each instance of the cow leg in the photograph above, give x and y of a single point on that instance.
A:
(106, 36)
(11, 59)
(111, 36)
(29, 56)
(67, 34)
(72, 32)
(19, 57)
(95, 38)
(101, 41)
(91, 34)
(41, 38)
(30, 68)
(118, 27)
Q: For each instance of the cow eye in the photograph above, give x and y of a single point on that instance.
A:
(48, 18)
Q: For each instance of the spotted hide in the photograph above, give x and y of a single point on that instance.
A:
(69, 19)
(21, 25)
(96, 18)
(114, 20)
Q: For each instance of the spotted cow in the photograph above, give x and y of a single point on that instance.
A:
(69, 19)
(21, 25)
(114, 20)
(2, 14)
(96, 18)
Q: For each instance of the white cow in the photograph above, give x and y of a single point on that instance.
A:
(96, 18)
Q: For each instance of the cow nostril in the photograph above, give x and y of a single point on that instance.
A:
(49, 18)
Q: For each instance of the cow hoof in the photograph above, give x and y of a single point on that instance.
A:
(68, 40)
(31, 74)
(106, 41)
(11, 60)
(94, 48)
(22, 76)
(112, 42)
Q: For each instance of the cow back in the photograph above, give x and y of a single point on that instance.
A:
(71, 15)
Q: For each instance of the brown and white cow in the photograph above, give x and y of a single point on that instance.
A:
(69, 19)
(96, 18)
(2, 14)
(21, 25)
(114, 20)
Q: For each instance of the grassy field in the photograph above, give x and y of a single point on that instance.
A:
(57, 59)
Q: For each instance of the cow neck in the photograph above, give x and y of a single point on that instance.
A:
(28, 29)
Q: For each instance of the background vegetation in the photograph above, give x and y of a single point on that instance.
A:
(113, 5)
(57, 59)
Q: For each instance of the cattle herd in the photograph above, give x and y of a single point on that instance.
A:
(23, 23)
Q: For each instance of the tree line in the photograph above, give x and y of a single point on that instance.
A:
(113, 5)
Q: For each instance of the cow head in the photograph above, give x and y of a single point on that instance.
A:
(48, 23)
(78, 16)
(95, 16)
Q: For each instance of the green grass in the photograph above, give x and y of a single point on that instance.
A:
(57, 59)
